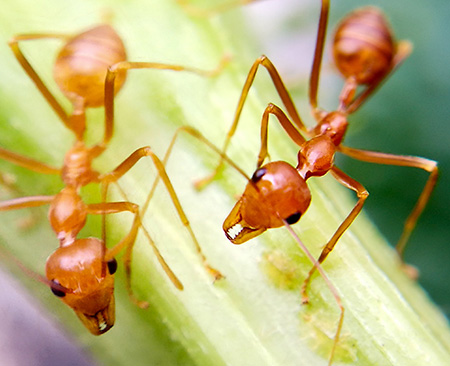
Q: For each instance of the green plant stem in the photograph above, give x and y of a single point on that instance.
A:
(254, 315)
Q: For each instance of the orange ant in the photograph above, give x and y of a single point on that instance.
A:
(365, 54)
(90, 69)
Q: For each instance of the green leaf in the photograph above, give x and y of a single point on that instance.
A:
(254, 315)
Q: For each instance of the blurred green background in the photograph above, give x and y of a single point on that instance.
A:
(408, 115)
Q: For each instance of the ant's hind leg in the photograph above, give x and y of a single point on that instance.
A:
(125, 166)
(404, 49)
(14, 45)
(199, 137)
(125, 66)
(317, 61)
(428, 165)
(331, 287)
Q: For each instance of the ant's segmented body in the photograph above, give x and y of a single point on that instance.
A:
(365, 53)
(90, 69)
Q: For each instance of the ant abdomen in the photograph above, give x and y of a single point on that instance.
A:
(363, 45)
(81, 65)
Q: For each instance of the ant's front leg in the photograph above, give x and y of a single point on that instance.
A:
(362, 194)
(285, 98)
(14, 45)
(123, 168)
(287, 125)
(127, 243)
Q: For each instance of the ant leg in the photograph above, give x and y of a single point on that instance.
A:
(28, 202)
(404, 49)
(285, 98)
(127, 258)
(107, 208)
(14, 45)
(28, 163)
(362, 194)
(409, 161)
(197, 135)
(317, 61)
(128, 163)
(25, 202)
(8, 257)
(32, 165)
(127, 243)
(125, 66)
(328, 283)
(8, 184)
(285, 123)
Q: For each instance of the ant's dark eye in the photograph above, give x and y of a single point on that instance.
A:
(258, 174)
(56, 291)
(112, 266)
(293, 218)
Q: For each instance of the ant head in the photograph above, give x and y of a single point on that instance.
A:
(363, 45)
(89, 281)
(276, 192)
(80, 76)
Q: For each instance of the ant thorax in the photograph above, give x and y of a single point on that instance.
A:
(316, 156)
(77, 169)
(334, 125)
(67, 215)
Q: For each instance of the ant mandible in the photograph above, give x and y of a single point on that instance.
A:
(365, 53)
(89, 70)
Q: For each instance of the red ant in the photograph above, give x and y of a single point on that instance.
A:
(90, 69)
(365, 53)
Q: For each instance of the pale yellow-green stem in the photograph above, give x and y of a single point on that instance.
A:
(254, 315)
